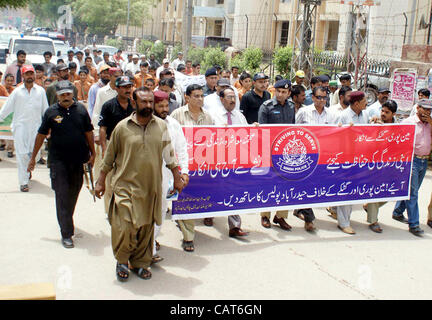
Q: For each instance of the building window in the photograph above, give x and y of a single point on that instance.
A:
(218, 28)
(285, 1)
(284, 33)
(220, 2)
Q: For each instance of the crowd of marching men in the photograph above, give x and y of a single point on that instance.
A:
(92, 105)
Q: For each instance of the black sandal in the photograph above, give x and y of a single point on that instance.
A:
(142, 273)
(157, 246)
(24, 188)
(188, 246)
(122, 268)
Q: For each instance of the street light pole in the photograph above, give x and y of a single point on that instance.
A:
(127, 24)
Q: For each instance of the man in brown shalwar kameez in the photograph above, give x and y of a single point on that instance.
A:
(135, 152)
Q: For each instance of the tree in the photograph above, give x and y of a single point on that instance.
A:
(104, 16)
(282, 60)
(213, 56)
(45, 11)
(14, 4)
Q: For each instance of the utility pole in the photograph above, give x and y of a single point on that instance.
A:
(305, 37)
(187, 26)
(127, 25)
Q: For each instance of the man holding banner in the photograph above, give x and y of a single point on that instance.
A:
(422, 150)
(355, 114)
(28, 103)
(229, 116)
(192, 114)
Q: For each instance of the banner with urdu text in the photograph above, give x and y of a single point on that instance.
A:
(239, 170)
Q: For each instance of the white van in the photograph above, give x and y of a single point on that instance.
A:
(34, 47)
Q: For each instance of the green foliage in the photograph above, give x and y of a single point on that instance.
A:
(14, 3)
(158, 49)
(104, 16)
(252, 59)
(45, 11)
(144, 46)
(196, 55)
(282, 60)
(213, 56)
(176, 49)
(119, 44)
(237, 61)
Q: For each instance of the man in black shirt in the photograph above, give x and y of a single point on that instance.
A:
(252, 100)
(113, 111)
(71, 146)
(211, 77)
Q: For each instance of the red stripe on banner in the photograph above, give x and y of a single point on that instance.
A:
(248, 147)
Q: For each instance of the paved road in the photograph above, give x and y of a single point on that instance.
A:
(270, 264)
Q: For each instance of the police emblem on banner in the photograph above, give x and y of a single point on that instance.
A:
(295, 153)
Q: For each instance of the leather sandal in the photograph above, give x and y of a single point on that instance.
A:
(122, 272)
(142, 273)
(375, 227)
(188, 246)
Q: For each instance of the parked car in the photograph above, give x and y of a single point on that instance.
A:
(211, 41)
(109, 49)
(62, 48)
(33, 46)
(49, 33)
(5, 36)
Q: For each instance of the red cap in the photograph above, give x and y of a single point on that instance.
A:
(113, 70)
(356, 96)
(160, 96)
(27, 68)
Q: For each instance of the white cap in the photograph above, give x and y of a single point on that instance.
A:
(165, 61)
(135, 56)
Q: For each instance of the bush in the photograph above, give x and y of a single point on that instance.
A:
(144, 47)
(252, 59)
(158, 49)
(238, 62)
(213, 56)
(196, 55)
(282, 60)
(176, 49)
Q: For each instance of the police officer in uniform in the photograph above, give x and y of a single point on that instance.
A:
(281, 110)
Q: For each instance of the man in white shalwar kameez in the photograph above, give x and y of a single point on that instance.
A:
(178, 141)
(28, 103)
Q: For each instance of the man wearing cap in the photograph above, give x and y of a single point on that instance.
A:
(167, 86)
(15, 67)
(422, 150)
(253, 99)
(113, 111)
(211, 77)
(104, 94)
(299, 79)
(421, 94)
(71, 146)
(192, 114)
(374, 110)
(178, 141)
(355, 114)
(178, 61)
(137, 147)
(28, 103)
(165, 65)
(134, 65)
(213, 103)
(104, 78)
(63, 73)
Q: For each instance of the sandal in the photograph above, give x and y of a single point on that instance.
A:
(157, 246)
(375, 228)
(188, 246)
(156, 259)
(24, 188)
(122, 272)
(142, 273)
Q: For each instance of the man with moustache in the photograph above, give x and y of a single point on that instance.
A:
(63, 73)
(422, 150)
(178, 141)
(229, 116)
(253, 99)
(71, 146)
(16, 67)
(136, 151)
(28, 103)
(113, 111)
(374, 110)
